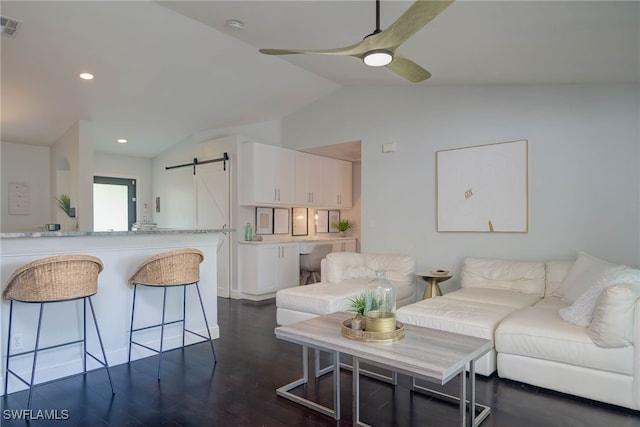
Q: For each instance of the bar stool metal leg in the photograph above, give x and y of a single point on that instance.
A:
(84, 335)
(104, 354)
(206, 323)
(184, 312)
(35, 356)
(6, 368)
(133, 310)
(164, 306)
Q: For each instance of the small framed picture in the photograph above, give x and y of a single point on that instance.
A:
(322, 221)
(264, 220)
(280, 221)
(334, 217)
(299, 222)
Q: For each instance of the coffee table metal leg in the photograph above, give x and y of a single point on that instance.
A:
(355, 389)
(472, 397)
(285, 390)
(356, 393)
(474, 419)
(463, 398)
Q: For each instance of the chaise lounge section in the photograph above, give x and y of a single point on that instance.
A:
(490, 291)
(345, 275)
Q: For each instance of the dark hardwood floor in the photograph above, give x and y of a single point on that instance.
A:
(240, 390)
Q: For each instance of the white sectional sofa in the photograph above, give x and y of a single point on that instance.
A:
(345, 275)
(566, 326)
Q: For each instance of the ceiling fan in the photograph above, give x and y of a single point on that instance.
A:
(379, 48)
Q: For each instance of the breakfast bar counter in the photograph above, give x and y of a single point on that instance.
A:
(121, 253)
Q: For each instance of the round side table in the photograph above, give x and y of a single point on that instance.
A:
(433, 287)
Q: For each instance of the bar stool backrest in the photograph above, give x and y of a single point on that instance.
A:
(170, 268)
(57, 278)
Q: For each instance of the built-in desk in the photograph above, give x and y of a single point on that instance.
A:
(121, 253)
(267, 266)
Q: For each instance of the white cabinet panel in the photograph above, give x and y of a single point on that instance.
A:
(266, 174)
(337, 182)
(268, 267)
(347, 245)
(309, 179)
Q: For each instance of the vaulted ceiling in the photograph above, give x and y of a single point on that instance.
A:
(166, 70)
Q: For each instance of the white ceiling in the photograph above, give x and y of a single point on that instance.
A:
(166, 70)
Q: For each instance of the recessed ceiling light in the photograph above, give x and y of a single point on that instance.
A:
(86, 76)
(235, 24)
(8, 26)
(122, 141)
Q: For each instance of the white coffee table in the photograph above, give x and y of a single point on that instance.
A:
(425, 354)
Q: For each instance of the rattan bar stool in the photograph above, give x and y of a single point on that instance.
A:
(54, 280)
(167, 269)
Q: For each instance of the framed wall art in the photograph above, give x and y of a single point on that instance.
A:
(299, 222)
(280, 221)
(322, 221)
(264, 220)
(483, 188)
(334, 217)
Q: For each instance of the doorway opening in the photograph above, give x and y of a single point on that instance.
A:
(114, 203)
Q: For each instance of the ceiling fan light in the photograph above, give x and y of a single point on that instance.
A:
(377, 57)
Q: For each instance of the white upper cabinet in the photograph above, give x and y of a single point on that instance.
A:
(309, 179)
(269, 175)
(265, 175)
(337, 181)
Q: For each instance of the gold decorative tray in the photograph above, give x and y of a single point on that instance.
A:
(391, 336)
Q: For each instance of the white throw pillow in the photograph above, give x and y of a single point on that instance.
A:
(580, 313)
(584, 273)
(612, 324)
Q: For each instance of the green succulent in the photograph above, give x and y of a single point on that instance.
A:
(358, 305)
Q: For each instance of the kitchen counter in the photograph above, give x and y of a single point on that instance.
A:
(121, 253)
(107, 233)
(301, 239)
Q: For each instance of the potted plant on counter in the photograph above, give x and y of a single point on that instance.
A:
(343, 225)
(64, 203)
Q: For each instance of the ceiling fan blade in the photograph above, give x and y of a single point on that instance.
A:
(408, 69)
(410, 22)
(357, 50)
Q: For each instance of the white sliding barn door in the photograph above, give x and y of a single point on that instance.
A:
(212, 211)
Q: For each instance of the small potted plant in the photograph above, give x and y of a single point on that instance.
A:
(357, 306)
(64, 202)
(343, 225)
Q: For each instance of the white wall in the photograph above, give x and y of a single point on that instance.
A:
(50, 171)
(28, 164)
(584, 165)
(71, 174)
(137, 168)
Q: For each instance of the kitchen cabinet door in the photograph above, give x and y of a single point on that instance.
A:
(266, 175)
(309, 179)
(266, 267)
(337, 183)
(347, 245)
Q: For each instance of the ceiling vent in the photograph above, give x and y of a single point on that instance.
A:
(8, 26)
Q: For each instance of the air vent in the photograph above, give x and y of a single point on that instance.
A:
(8, 26)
